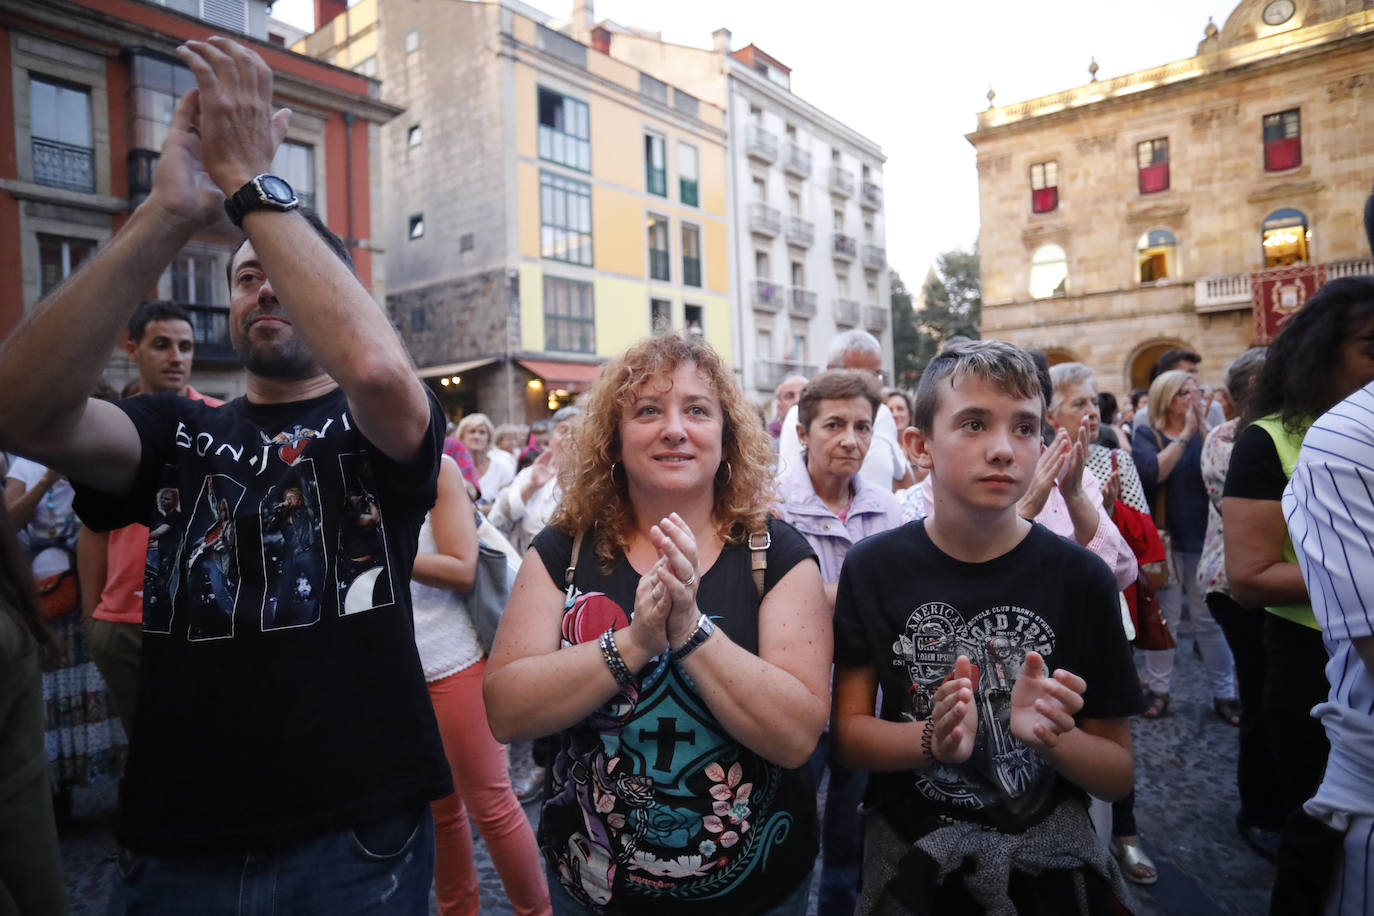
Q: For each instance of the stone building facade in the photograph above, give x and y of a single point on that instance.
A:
(1132, 215)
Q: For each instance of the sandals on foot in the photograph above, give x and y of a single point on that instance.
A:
(1136, 866)
(1227, 709)
(1157, 705)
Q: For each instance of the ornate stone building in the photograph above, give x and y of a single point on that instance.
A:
(1132, 215)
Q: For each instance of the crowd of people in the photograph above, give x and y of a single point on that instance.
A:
(925, 598)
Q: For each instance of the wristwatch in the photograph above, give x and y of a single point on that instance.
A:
(263, 192)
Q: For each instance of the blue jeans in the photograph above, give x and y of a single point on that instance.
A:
(564, 904)
(383, 867)
(842, 830)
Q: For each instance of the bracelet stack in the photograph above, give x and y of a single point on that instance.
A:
(703, 631)
(927, 736)
(619, 670)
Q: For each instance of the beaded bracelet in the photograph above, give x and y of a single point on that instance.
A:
(611, 655)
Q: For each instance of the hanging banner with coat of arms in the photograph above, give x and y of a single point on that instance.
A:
(1277, 293)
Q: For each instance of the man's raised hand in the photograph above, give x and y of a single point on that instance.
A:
(239, 132)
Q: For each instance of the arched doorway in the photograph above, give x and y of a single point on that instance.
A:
(1140, 363)
(1057, 355)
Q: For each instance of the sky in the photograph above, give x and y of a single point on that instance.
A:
(913, 74)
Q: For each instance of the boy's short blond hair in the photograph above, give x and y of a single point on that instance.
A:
(1005, 365)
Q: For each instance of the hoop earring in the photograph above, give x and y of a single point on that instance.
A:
(729, 474)
(617, 483)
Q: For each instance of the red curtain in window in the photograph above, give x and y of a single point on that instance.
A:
(1154, 178)
(1282, 154)
(1044, 200)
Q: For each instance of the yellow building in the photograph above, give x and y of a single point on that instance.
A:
(1133, 215)
(543, 205)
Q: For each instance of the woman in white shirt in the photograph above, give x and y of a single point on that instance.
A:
(523, 509)
(494, 468)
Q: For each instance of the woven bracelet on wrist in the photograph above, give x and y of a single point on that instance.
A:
(927, 736)
(611, 655)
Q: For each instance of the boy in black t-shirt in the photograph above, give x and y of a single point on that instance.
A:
(1005, 673)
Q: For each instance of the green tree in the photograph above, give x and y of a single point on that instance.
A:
(904, 334)
(953, 304)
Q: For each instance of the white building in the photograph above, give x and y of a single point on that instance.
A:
(808, 256)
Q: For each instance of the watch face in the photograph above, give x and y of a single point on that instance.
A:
(1278, 12)
(276, 189)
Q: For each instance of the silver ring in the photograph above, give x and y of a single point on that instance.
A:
(689, 580)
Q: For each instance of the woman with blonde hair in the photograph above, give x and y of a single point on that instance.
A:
(494, 468)
(693, 626)
(1168, 456)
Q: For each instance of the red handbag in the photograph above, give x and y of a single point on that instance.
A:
(57, 594)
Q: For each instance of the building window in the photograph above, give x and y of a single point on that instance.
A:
(57, 258)
(655, 166)
(691, 255)
(1156, 251)
(1049, 275)
(1044, 178)
(412, 41)
(416, 226)
(565, 219)
(414, 136)
(60, 127)
(839, 221)
(366, 67)
(764, 343)
(295, 163)
(660, 316)
(797, 348)
(569, 317)
(1152, 161)
(1286, 238)
(659, 268)
(564, 131)
(762, 266)
(694, 319)
(687, 167)
(1282, 141)
(196, 279)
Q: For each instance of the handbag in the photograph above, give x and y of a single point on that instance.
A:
(1151, 629)
(490, 586)
(57, 594)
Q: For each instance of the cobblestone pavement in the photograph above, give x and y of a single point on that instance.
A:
(1185, 808)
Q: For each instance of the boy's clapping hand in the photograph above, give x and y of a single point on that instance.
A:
(954, 718)
(1042, 708)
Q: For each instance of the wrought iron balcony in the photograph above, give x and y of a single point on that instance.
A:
(841, 181)
(210, 330)
(768, 296)
(763, 219)
(659, 267)
(846, 313)
(844, 247)
(769, 372)
(62, 165)
(761, 144)
(800, 232)
(871, 196)
(803, 302)
(691, 271)
(796, 160)
(876, 317)
(875, 257)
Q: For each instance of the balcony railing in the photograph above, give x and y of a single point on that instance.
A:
(796, 160)
(769, 372)
(846, 313)
(803, 303)
(876, 317)
(800, 232)
(841, 182)
(871, 196)
(1223, 292)
(62, 165)
(844, 247)
(761, 144)
(659, 268)
(763, 219)
(875, 257)
(691, 271)
(768, 296)
(210, 330)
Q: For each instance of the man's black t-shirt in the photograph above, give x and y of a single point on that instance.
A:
(281, 693)
(909, 610)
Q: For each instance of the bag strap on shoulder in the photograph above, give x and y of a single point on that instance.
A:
(759, 542)
(572, 560)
